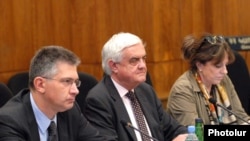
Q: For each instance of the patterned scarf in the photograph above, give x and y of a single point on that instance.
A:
(218, 115)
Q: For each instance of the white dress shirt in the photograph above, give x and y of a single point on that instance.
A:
(122, 91)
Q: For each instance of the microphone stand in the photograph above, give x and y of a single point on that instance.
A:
(128, 124)
(213, 101)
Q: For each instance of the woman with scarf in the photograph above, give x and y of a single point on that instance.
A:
(197, 91)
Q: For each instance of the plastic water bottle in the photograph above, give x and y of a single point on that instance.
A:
(199, 129)
(191, 134)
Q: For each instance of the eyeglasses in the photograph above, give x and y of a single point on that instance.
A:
(67, 81)
(214, 39)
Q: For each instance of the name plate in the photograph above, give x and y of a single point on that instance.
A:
(239, 42)
(230, 132)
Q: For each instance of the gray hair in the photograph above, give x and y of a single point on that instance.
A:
(112, 49)
(45, 60)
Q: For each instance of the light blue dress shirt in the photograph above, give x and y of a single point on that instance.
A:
(42, 120)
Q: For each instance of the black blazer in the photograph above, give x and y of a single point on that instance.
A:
(105, 110)
(17, 122)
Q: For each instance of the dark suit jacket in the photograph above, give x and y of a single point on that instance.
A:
(105, 109)
(18, 123)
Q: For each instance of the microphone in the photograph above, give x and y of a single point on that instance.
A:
(213, 101)
(128, 124)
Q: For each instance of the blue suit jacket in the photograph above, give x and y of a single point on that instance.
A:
(18, 123)
(105, 109)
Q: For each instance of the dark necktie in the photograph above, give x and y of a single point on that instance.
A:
(138, 114)
(52, 130)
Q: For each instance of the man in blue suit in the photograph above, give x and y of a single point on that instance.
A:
(53, 82)
(110, 110)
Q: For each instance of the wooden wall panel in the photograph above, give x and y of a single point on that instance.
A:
(164, 74)
(84, 26)
(15, 37)
(99, 20)
(166, 39)
(233, 21)
(244, 24)
(52, 23)
(192, 17)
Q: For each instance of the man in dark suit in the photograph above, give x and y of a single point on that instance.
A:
(108, 106)
(53, 82)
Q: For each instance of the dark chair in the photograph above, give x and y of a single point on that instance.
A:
(148, 79)
(18, 81)
(88, 82)
(239, 74)
(5, 94)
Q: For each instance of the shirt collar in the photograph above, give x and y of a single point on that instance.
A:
(121, 90)
(42, 120)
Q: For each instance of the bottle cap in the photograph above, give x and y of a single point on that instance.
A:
(191, 129)
(198, 120)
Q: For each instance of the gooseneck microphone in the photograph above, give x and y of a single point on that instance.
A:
(128, 124)
(213, 101)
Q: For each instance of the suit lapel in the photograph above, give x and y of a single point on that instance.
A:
(142, 100)
(145, 105)
(33, 129)
(122, 115)
(62, 127)
(32, 124)
(119, 106)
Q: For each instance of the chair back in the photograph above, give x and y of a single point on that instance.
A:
(88, 82)
(239, 75)
(5, 94)
(148, 79)
(18, 82)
